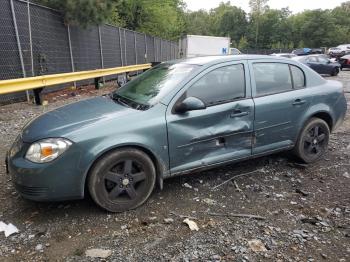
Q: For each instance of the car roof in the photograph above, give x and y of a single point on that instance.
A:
(203, 60)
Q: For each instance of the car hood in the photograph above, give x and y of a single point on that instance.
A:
(64, 120)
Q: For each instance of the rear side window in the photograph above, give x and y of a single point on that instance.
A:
(220, 85)
(312, 59)
(298, 77)
(272, 78)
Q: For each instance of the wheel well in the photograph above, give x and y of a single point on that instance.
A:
(158, 166)
(325, 117)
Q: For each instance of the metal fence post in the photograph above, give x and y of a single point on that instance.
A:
(126, 60)
(146, 49)
(171, 50)
(161, 50)
(168, 54)
(30, 38)
(18, 44)
(71, 52)
(101, 50)
(135, 48)
(120, 46)
(155, 49)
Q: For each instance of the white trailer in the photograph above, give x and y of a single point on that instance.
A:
(200, 45)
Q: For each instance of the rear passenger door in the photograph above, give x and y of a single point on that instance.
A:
(280, 101)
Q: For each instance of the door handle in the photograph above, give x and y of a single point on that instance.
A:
(238, 113)
(298, 102)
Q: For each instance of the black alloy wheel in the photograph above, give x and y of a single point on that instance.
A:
(122, 180)
(313, 140)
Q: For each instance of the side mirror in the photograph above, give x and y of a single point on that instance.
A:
(190, 104)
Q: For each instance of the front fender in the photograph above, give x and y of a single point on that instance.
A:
(156, 148)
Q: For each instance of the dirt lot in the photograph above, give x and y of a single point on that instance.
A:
(306, 210)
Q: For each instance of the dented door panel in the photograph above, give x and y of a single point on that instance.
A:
(217, 134)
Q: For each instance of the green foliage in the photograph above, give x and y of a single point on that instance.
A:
(197, 23)
(163, 18)
(82, 12)
(271, 28)
(262, 28)
(243, 43)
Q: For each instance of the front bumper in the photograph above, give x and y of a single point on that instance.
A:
(61, 179)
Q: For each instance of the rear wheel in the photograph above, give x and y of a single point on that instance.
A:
(313, 140)
(122, 180)
(335, 71)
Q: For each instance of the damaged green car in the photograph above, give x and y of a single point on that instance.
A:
(178, 117)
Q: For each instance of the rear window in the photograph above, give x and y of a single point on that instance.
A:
(298, 77)
(272, 78)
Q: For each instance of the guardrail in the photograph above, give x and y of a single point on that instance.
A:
(29, 83)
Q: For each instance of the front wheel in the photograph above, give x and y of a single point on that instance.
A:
(313, 140)
(122, 180)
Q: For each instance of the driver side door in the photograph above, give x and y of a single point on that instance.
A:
(223, 130)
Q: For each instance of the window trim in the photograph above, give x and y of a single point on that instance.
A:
(291, 76)
(182, 97)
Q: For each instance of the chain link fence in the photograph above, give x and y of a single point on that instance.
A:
(35, 41)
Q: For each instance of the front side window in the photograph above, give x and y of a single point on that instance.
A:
(272, 78)
(220, 85)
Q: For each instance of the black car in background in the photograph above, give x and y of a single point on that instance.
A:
(320, 63)
(307, 51)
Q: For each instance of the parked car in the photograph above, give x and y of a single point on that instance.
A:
(307, 51)
(320, 63)
(344, 62)
(339, 50)
(302, 51)
(178, 117)
(234, 51)
(286, 55)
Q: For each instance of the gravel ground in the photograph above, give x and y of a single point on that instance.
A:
(305, 209)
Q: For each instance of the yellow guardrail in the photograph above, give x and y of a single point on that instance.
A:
(28, 83)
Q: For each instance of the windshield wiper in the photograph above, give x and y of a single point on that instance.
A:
(121, 100)
(128, 102)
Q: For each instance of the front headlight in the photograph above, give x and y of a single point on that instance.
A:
(47, 150)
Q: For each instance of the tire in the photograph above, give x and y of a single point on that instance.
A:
(335, 71)
(313, 140)
(122, 180)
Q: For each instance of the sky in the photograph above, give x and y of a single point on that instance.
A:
(295, 6)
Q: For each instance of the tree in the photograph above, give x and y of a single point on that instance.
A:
(243, 43)
(82, 12)
(274, 29)
(163, 18)
(225, 20)
(316, 28)
(232, 23)
(257, 8)
(197, 23)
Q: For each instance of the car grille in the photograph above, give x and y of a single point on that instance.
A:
(31, 191)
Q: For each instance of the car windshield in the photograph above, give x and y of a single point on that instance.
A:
(148, 88)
